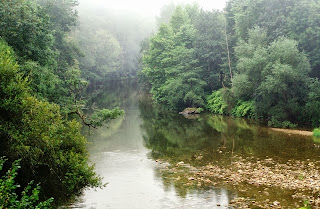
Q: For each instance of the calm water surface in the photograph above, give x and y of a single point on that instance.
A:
(125, 153)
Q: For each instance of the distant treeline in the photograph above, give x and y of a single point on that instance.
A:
(110, 42)
(256, 59)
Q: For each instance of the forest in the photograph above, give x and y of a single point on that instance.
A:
(43, 100)
(256, 59)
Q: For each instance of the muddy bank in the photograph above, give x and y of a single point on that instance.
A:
(292, 131)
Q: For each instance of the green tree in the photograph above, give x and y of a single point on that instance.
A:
(62, 13)
(210, 47)
(170, 66)
(271, 15)
(52, 149)
(304, 26)
(37, 31)
(63, 18)
(43, 80)
(296, 19)
(312, 109)
(29, 198)
(252, 59)
(26, 28)
(277, 76)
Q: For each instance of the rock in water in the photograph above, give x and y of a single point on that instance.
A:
(190, 110)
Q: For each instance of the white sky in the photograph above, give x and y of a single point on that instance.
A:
(151, 7)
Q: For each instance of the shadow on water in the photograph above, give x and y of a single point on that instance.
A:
(146, 155)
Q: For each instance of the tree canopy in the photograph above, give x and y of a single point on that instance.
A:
(35, 132)
(257, 58)
(42, 92)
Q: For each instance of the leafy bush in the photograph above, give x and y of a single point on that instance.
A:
(273, 122)
(29, 198)
(216, 103)
(200, 110)
(244, 109)
(316, 132)
(312, 108)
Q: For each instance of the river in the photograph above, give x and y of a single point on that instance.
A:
(152, 158)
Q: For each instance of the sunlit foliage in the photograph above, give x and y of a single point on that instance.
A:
(217, 104)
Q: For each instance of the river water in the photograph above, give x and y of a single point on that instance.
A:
(132, 153)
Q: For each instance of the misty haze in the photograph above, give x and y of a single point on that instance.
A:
(136, 104)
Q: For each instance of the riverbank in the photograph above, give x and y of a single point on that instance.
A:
(259, 182)
(293, 131)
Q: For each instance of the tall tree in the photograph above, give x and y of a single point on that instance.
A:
(295, 19)
(27, 28)
(63, 17)
(210, 47)
(274, 75)
(304, 26)
(51, 148)
(170, 65)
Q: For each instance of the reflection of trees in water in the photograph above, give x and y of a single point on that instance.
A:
(169, 134)
(172, 137)
(215, 140)
(114, 94)
(123, 94)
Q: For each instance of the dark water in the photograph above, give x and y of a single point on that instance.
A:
(125, 153)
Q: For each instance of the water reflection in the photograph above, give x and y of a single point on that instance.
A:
(172, 136)
(223, 142)
(125, 153)
(122, 159)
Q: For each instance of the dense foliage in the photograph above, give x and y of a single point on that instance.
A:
(40, 44)
(263, 54)
(169, 64)
(216, 103)
(42, 98)
(10, 199)
(316, 132)
(51, 148)
(275, 76)
(26, 27)
(40, 34)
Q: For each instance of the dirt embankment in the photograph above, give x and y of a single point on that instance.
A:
(291, 131)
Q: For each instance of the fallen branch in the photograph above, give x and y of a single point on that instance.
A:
(83, 118)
